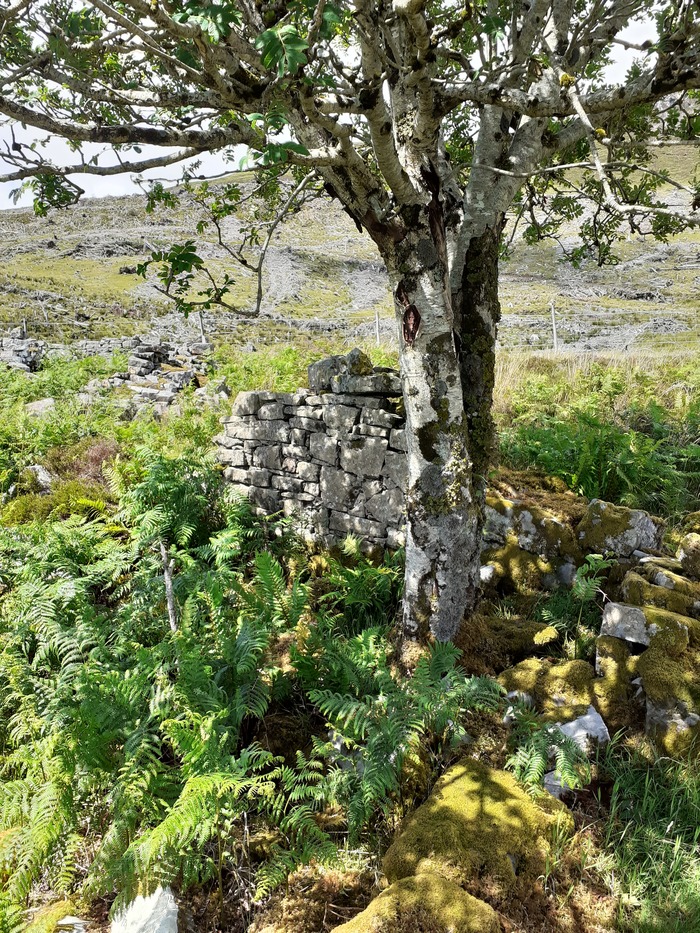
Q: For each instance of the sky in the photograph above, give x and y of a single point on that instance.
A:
(58, 152)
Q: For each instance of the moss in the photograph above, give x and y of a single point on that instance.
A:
(47, 917)
(691, 523)
(478, 821)
(491, 643)
(602, 524)
(671, 578)
(671, 681)
(517, 569)
(561, 691)
(535, 488)
(426, 903)
(616, 668)
(639, 592)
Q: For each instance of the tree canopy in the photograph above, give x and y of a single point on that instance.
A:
(429, 121)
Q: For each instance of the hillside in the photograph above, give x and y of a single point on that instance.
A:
(71, 276)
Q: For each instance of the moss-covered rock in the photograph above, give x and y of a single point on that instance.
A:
(478, 821)
(561, 691)
(672, 688)
(691, 523)
(614, 529)
(616, 668)
(683, 600)
(536, 529)
(518, 570)
(689, 555)
(47, 918)
(426, 902)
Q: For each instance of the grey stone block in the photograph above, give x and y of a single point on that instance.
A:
(352, 524)
(308, 471)
(235, 475)
(306, 424)
(259, 477)
(340, 417)
(233, 456)
(287, 483)
(267, 499)
(387, 384)
(381, 419)
(338, 490)
(324, 448)
(386, 507)
(260, 431)
(271, 411)
(293, 450)
(397, 440)
(363, 456)
(396, 469)
(268, 457)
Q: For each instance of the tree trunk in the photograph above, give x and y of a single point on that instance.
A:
(447, 344)
(168, 567)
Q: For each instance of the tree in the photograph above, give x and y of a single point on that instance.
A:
(428, 121)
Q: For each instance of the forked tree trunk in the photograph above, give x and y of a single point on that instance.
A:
(447, 354)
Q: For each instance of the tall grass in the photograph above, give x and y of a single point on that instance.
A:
(653, 840)
(622, 427)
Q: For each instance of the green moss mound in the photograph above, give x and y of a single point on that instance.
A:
(478, 821)
(426, 903)
(561, 691)
(671, 681)
(518, 570)
(47, 918)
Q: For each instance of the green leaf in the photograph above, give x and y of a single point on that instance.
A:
(282, 48)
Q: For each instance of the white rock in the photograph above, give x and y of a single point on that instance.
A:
(44, 479)
(626, 622)
(71, 925)
(43, 406)
(156, 913)
(554, 785)
(588, 730)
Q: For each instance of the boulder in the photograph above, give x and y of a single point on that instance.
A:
(156, 913)
(689, 555)
(40, 408)
(41, 478)
(614, 529)
(355, 363)
(588, 730)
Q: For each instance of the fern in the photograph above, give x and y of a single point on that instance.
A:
(538, 747)
(385, 728)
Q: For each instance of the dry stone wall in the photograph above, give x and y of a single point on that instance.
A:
(334, 454)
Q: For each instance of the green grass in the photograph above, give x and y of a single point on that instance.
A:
(622, 428)
(652, 841)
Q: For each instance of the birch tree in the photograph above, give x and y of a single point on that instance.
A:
(429, 122)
